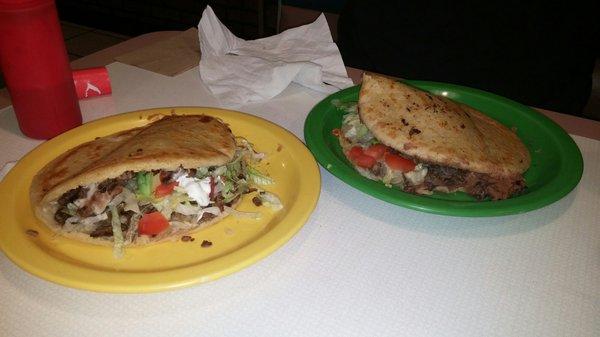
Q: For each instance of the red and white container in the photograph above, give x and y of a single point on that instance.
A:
(91, 82)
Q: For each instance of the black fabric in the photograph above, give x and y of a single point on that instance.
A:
(538, 54)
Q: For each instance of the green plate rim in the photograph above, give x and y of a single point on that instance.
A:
(566, 179)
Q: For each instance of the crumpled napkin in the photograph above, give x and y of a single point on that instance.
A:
(238, 71)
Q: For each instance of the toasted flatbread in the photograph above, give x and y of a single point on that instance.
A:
(189, 141)
(435, 129)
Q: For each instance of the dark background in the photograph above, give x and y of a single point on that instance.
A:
(248, 19)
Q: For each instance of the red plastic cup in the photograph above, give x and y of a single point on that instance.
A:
(36, 68)
(91, 82)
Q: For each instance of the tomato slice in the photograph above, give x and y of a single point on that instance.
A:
(164, 189)
(399, 163)
(376, 151)
(357, 155)
(364, 161)
(152, 223)
(355, 151)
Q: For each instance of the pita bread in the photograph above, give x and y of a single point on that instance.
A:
(189, 141)
(437, 130)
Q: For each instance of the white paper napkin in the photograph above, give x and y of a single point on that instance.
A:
(238, 71)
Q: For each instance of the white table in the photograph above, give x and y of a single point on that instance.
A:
(359, 266)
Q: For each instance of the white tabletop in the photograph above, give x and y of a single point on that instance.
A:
(359, 266)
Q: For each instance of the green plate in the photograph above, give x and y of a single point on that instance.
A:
(556, 162)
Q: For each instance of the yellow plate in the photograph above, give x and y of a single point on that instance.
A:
(236, 242)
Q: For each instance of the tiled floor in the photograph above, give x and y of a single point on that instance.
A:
(81, 41)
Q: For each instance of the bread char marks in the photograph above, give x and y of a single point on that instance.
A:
(162, 147)
(168, 143)
(438, 130)
(419, 103)
(79, 158)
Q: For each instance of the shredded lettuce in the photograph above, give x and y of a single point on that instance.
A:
(169, 204)
(202, 172)
(117, 233)
(228, 192)
(85, 225)
(93, 219)
(243, 215)
(219, 171)
(257, 177)
(392, 178)
(177, 197)
(131, 203)
(246, 149)
(242, 186)
(212, 210)
(345, 106)
(234, 169)
(187, 209)
(355, 130)
(270, 200)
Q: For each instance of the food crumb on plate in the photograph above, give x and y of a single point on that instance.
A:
(32, 233)
(256, 201)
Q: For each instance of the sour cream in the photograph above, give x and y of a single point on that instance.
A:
(416, 176)
(197, 189)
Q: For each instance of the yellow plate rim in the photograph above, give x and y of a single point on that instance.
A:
(120, 282)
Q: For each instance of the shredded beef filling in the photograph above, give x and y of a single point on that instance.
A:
(105, 229)
(479, 185)
(62, 214)
(483, 186)
(444, 178)
(107, 190)
(192, 218)
(72, 195)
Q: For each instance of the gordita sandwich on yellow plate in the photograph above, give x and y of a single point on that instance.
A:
(148, 184)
